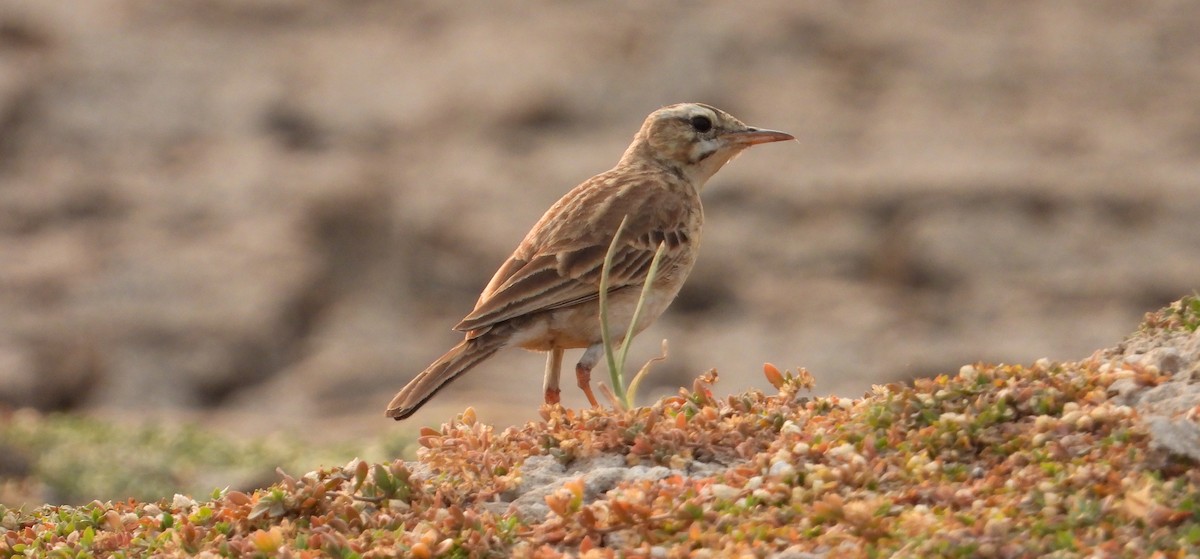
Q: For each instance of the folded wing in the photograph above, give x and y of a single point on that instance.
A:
(541, 278)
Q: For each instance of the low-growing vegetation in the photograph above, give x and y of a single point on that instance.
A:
(61, 458)
(994, 461)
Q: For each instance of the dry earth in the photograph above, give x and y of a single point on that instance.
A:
(271, 213)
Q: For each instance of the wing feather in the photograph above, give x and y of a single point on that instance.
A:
(559, 263)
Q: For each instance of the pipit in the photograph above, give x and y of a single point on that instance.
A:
(545, 296)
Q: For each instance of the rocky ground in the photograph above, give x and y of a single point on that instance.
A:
(1095, 458)
(268, 215)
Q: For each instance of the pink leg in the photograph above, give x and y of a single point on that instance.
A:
(583, 372)
(550, 382)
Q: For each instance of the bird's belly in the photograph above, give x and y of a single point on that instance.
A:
(579, 326)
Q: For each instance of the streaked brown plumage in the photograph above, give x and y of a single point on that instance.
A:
(545, 296)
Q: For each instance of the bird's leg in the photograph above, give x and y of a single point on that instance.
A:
(583, 372)
(553, 370)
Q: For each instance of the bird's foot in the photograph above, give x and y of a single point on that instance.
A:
(583, 375)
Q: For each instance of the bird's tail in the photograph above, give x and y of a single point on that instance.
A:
(460, 359)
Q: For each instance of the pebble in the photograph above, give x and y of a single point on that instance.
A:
(782, 470)
(724, 492)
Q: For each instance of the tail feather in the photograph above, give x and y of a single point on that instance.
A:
(460, 359)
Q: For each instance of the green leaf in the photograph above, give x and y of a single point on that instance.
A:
(625, 394)
(384, 481)
(614, 371)
(629, 395)
(641, 375)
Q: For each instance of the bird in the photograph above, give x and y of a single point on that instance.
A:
(545, 297)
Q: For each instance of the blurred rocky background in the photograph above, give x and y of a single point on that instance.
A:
(268, 214)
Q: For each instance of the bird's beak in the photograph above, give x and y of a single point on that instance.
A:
(752, 136)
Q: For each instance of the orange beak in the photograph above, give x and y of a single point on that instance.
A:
(753, 136)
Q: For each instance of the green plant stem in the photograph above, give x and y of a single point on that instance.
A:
(614, 372)
(641, 374)
(637, 312)
(616, 365)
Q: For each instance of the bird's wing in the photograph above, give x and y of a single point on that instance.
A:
(560, 262)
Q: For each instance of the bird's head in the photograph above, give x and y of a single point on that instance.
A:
(695, 140)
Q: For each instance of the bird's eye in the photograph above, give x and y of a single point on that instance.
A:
(701, 123)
